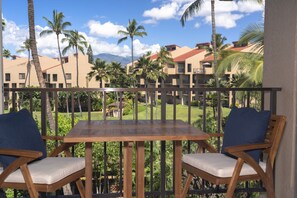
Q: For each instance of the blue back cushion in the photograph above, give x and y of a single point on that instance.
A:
(18, 130)
(246, 126)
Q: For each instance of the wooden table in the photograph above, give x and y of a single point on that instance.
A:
(129, 131)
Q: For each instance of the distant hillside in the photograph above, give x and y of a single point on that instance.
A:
(110, 57)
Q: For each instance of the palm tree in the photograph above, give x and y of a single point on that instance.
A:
(77, 42)
(148, 70)
(254, 34)
(99, 71)
(131, 31)
(36, 60)
(58, 27)
(251, 64)
(220, 45)
(27, 48)
(192, 10)
(6, 53)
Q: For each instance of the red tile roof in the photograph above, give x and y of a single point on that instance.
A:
(187, 55)
(238, 49)
(154, 56)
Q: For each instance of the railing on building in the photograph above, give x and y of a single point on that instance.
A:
(159, 101)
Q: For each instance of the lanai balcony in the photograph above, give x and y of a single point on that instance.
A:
(159, 167)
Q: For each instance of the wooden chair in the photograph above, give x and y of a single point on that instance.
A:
(28, 172)
(219, 168)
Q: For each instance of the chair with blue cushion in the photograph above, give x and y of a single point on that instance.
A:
(247, 134)
(25, 162)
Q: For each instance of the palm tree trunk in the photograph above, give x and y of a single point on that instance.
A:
(36, 60)
(132, 53)
(77, 84)
(63, 70)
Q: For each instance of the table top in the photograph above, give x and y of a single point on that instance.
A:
(131, 130)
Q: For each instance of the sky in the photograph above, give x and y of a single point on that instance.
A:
(99, 21)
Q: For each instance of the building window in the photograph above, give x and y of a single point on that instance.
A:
(22, 76)
(7, 77)
(189, 67)
(6, 85)
(68, 85)
(68, 76)
(55, 77)
(21, 85)
(13, 85)
(60, 85)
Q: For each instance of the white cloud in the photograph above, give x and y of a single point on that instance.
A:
(197, 25)
(232, 10)
(106, 30)
(249, 6)
(14, 35)
(226, 20)
(166, 11)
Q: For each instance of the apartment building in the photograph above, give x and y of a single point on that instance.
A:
(15, 72)
(191, 68)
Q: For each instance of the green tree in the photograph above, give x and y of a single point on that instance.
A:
(36, 60)
(132, 30)
(6, 53)
(221, 46)
(27, 48)
(99, 71)
(57, 26)
(251, 64)
(90, 55)
(148, 70)
(77, 42)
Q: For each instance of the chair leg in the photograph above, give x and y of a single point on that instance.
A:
(28, 179)
(233, 182)
(80, 188)
(187, 185)
(268, 181)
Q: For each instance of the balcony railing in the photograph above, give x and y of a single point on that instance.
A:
(205, 108)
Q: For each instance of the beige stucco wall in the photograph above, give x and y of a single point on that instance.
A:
(280, 70)
(51, 66)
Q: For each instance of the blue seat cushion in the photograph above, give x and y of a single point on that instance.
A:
(246, 126)
(19, 131)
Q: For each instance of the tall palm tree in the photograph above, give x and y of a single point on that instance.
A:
(27, 48)
(57, 26)
(192, 10)
(36, 60)
(131, 31)
(77, 42)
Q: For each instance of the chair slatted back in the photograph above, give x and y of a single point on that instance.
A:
(274, 135)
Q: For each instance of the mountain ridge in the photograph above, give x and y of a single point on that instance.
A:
(124, 60)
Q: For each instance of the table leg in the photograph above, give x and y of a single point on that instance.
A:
(140, 169)
(178, 169)
(89, 170)
(128, 169)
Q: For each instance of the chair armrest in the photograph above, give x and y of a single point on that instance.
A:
(246, 147)
(203, 144)
(23, 158)
(46, 137)
(21, 153)
(64, 147)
